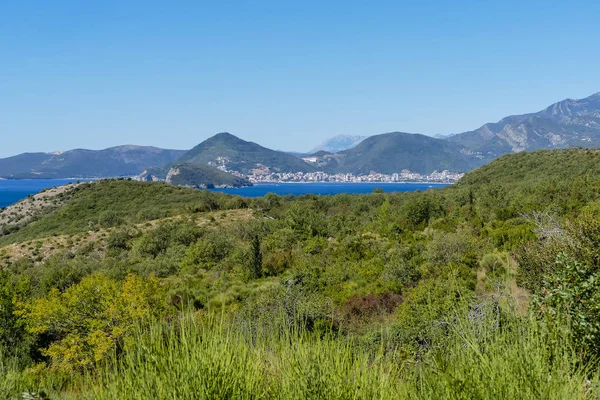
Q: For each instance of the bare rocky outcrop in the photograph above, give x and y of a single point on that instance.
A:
(34, 206)
(173, 173)
(148, 176)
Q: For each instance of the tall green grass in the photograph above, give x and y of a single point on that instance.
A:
(189, 361)
(17, 382)
(10, 376)
(484, 358)
(509, 357)
(488, 354)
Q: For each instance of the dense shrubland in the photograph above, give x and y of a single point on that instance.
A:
(487, 289)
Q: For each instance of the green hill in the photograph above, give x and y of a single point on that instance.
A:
(113, 202)
(552, 181)
(239, 155)
(539, 166)
(392, 152)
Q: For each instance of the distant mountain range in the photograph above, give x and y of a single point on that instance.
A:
(80, 163)
(443, 136)
(569, 123)
(338, 143)
(387, 153)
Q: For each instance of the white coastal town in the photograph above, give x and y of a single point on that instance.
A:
(264, 174)
(307, 177)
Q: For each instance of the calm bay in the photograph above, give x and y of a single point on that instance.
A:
(12, 191)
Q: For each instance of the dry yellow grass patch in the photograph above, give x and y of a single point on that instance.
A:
(42, 249)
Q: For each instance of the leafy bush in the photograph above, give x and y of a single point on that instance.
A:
(571, 295)
(92, 319)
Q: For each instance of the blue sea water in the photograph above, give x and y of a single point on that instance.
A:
(13, 191)
(324, 188)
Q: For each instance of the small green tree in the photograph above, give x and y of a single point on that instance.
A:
(255, 262)
(383, 223)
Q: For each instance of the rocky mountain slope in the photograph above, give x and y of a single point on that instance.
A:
(569, 123)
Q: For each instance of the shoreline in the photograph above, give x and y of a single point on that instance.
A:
(356, 183)
(54, 179)
(253, 182)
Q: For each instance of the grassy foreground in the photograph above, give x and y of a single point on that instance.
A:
(490, 354)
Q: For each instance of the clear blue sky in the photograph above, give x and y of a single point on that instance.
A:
(284, 74)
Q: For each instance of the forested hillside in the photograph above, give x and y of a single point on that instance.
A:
(242, 156)
(203, 176)
(390, 153)
(485, 289)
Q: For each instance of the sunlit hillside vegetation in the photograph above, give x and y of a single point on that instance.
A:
(486, 289)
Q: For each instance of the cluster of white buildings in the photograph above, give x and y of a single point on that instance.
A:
(220, 163)
(263, 174)
(404, 176)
